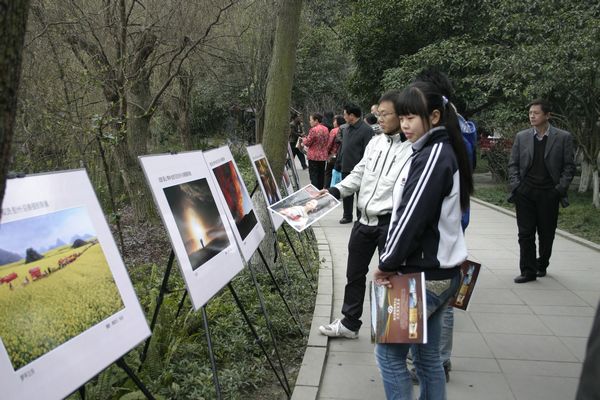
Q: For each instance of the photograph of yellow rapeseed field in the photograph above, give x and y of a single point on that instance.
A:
(55, 283)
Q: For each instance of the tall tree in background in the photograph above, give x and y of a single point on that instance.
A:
(13, 21)
(279, 84)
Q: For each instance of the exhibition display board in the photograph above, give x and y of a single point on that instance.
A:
(291, 165)
(286, 182)
(234, 195)
(187, 199)
(266, 180)
(67, 306)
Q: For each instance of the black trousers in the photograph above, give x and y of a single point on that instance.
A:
(297, 152)
(316, 172)
(348, 203)
(537, 212)
(364, 240)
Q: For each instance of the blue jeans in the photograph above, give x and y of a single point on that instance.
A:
(447, 332)
(391, 358)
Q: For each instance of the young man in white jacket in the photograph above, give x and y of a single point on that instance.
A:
(375, 176)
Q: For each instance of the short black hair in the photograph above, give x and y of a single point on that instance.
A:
(340, 120)
(317, 116)
(392, 97)
(543, 103)
(437, 78)
(371, 118)
(352, 108)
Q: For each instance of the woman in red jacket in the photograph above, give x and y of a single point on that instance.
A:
(316, 144)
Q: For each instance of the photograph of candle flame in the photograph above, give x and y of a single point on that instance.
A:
(198, 220)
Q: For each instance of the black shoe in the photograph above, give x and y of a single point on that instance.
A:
(541, 273)
(345, 220)
(525, 278)
(447, 372)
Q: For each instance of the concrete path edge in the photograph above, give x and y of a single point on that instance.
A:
(313, 362)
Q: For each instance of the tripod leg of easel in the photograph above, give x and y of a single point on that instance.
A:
(298, 259)
(121, 363)
(269, 325)
(180, 306)
(296, 320)
(211, 353)
(159, 300)
(258, 340)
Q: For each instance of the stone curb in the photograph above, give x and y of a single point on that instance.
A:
(562, 233)
(313, 363)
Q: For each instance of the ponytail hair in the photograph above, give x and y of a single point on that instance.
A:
(422, 98)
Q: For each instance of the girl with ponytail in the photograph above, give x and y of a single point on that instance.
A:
(425, 233)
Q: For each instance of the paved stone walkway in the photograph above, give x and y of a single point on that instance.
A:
(516, 342)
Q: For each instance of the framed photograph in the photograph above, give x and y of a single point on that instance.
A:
(266, 180)
(304, 207)
(234, 195)
(291, 167)
(67, 307)
(188, 201)
(286, 182)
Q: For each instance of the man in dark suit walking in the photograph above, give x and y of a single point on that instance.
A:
(540, 170)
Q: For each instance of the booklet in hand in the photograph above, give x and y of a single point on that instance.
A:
(399, 313)
(470, 272)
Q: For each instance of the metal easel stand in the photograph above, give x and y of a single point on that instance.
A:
(295, 316)
(258, 340)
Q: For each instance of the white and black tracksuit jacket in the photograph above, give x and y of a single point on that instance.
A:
(375, 176)
(425, 232)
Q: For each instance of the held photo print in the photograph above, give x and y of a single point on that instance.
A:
(246, 227)
(266, 181)
(67, 307)
(188, 202)
(304, 207)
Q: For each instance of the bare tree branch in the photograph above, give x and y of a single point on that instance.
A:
(167, 82)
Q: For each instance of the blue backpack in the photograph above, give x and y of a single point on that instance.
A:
(469, 132)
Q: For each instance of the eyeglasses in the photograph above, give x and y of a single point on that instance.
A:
(385, 115)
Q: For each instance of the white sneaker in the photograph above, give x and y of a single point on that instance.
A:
(337, 329)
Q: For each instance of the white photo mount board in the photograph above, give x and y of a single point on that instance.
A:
(170, 171)
(271, 194)
(61, 370)
(245, 225)
(292, 165)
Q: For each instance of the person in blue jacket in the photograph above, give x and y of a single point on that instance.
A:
(425, 233)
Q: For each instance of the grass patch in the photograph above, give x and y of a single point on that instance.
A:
(580, 218)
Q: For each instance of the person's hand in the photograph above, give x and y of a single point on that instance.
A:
(322, 193)
(382, 278)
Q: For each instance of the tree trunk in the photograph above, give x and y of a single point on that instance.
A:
(138, 131)
(279, 84)
(584, 181)
(596, 186)
(183, 112)
(13, 22)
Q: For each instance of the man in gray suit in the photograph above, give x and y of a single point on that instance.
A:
(540, 171)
